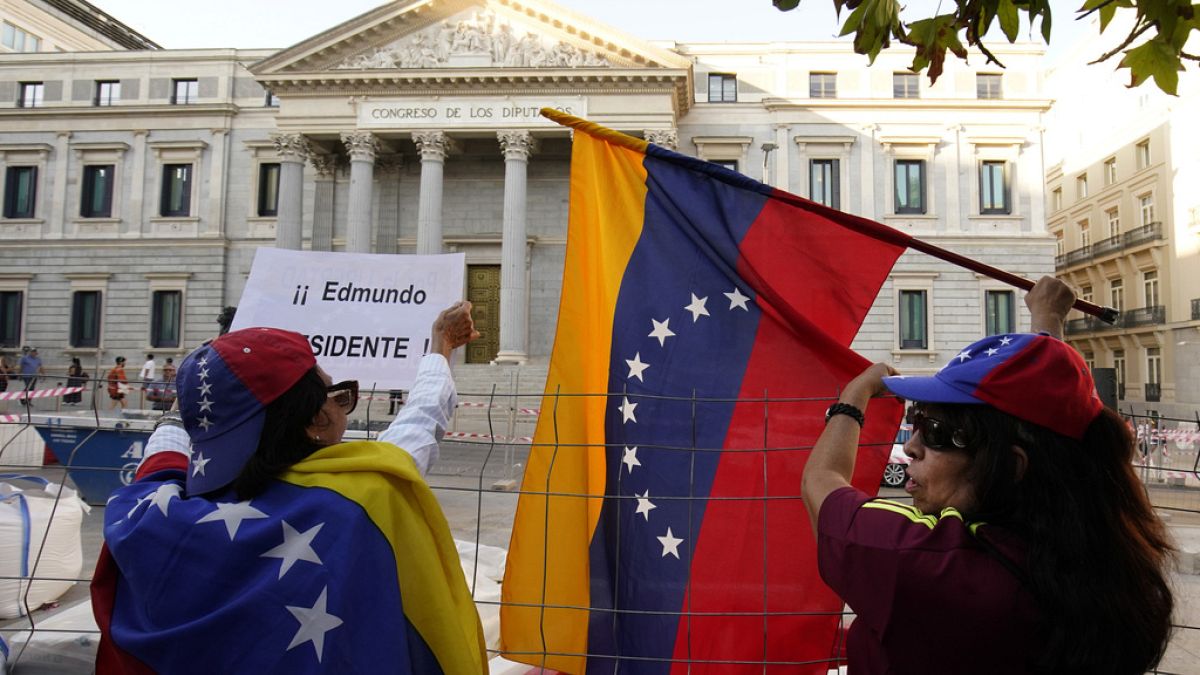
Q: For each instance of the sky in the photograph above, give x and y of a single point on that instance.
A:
(281, 23)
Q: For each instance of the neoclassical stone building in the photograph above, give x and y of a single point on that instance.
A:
(138, 184)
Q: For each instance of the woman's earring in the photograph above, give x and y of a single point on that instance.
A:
(316, 438)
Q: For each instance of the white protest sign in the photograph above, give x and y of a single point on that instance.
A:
(367, 316)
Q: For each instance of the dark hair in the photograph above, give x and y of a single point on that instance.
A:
(284, 440)
(1097, 553)
(225, 318)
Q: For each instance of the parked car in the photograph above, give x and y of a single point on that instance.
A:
(161, 395)
(895, 474)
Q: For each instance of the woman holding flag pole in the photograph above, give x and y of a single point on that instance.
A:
(1030, 545)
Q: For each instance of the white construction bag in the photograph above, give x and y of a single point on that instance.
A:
(31, 526)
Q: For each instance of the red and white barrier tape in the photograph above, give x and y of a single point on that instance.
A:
(486, 437)
(1177, 435)
(39, 393)
(4, 419)
(498, 406)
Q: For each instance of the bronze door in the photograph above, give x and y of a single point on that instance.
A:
(483, 290)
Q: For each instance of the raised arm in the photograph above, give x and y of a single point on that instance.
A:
(1049, 301)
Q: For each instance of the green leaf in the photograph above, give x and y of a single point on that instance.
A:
(786, 5)
(1154, 58)
(1010, 21)
(1107, 13)
(854, 21)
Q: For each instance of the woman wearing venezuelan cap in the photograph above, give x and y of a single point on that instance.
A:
(255, 539)
(1030, 545)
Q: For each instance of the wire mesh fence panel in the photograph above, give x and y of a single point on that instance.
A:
(481, 475)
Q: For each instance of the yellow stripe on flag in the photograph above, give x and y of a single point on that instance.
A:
(551, 536)
(386, 484)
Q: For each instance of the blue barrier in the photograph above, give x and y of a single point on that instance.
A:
(98, 460)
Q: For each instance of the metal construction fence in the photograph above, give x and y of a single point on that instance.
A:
(92, 447)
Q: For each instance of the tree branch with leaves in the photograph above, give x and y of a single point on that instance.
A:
(1154, 47)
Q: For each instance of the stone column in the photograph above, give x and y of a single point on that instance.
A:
(62, 161)
(137, 185)
(667, 138)
(389, 169)
(293, 151)
(362, 146)
(433, 147)
(514, 292)
(322, 233)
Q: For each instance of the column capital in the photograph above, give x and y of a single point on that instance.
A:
(433, 145)
(667, 138)
(291, 147)
(325, 165)
(517, 144)
(389, 163)
(362, 146)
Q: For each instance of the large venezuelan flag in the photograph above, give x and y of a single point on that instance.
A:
(660, 527)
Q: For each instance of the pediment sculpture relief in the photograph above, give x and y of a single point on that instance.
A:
(483, 40)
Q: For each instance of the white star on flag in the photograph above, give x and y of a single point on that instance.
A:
(315, 622)
(162, 496)
(232, 515)
(627, 411)
(661, 331)
(645, 505)
(198, 463)
(205, 388)
(630, 459)
(296, 546)
(204, 423)
(144, 498)
(697, 308)
(670, 542)
(1005, 340)
(636, 367)
(963, 355)
(205, 405)
(204, 373)
(203, 360)
(992, 351)
(736, 299)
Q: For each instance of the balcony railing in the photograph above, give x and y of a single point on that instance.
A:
(1141, 235)
(1144, 316)
(1153, 392)
(1196, 309)
(1088, 324)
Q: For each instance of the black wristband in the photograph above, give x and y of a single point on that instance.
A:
(840, 408)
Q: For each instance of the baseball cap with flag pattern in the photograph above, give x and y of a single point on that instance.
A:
(224, 388)
(1033, 377)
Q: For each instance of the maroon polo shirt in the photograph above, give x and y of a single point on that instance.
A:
(928, 595)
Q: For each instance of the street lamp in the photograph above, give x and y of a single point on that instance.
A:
(767, 148)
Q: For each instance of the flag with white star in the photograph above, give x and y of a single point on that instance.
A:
(345, 564)
(706, 320)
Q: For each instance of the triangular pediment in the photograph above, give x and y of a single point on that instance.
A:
(440, 35)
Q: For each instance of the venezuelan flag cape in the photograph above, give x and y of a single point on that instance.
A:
(660, 527)
(346, 565)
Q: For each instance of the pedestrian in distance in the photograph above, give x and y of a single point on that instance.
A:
(1030, 545)
(76, 377)
(118, 384)
(148, 371)
(169, 370)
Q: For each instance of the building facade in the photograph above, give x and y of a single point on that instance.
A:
(1125, 215)
(132, 212)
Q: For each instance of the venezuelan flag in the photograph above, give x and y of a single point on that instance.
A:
(660, 527)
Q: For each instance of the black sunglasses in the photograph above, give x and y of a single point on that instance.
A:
(935, 433)
(344, 394)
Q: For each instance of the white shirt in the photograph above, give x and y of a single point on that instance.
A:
(418, 428)
(147, 373)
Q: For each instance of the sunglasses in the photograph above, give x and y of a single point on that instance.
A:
(344, 394)
(935, 433)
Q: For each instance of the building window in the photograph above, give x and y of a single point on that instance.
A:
(1110, 171)
(165, 315)
(1114, 221)
(96, 201)
(730, 164)
(993, 188)
(85, 319)
(906, 85)
(108, 92)
(176, 190)
(1060, 246)
(722, 88)
(1081, 188)
(272, 100)
(1056, 199)
(1143, 154)
(822, 85)
(910, 186)
(987, 85)
(1089, 360)
(1116, 294)
(1146, 207)
(1150, 285)
(1085, 234)
(999, 312)
(10, 318)
(1119, 366)
(31, 95)
(1154, 365)
(1085, 293)
(19, 40)
(913, 320)
(20, 191)
(268, 189)
(824, 182)
(184, 92)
